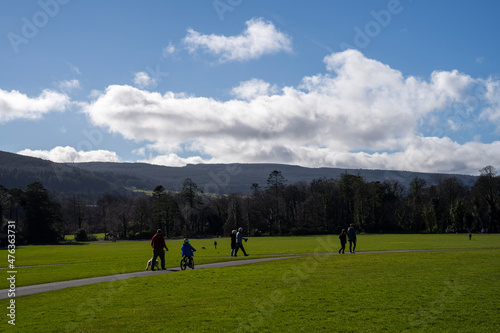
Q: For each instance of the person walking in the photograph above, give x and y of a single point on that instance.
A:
(239, 242)
(343, 241)
(233, 243)
(351, 237)
(158, 244)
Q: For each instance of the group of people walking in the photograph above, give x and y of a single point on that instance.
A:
(237, 242)
(349, 236)
(158, 244)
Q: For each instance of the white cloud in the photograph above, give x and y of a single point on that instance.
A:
(68, 85)
(453, 125)
(71, 155)
(491, 94)
(258, 39)
(94, 94)
(360, 114)
(15, 105)
(432, 154)
(143, 80)
(173, 160)
(253, 88)
(168, 50)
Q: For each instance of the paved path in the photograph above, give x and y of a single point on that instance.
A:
(40, 288)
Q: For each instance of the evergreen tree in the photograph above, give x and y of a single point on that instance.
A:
(43, 216)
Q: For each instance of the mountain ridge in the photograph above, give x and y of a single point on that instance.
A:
(239, 177)
(95, 178)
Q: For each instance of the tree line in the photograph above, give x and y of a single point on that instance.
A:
(323, 206)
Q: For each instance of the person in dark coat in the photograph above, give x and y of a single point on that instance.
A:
(343, 241)
(351, 237)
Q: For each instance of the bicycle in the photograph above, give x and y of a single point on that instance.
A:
(187, 262)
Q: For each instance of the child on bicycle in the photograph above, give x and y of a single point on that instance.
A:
(187, 250)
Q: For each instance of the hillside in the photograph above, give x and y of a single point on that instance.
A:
(238, 178)
(95, 178)
(17, 171)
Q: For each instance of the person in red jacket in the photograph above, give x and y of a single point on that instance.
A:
(158, 244)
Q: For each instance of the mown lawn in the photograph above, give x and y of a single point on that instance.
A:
(50, 263)
(99, 236)
(449, 291)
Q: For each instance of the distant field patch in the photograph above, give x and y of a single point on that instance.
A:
(100, 236)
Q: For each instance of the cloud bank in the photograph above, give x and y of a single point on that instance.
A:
(15, 105)
(71, 155)
(360, 113)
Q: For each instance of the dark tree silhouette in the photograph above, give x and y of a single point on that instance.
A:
(43, 216)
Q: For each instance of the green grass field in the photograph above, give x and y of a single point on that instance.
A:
(451, 291)
(100, 236)
(50, 263)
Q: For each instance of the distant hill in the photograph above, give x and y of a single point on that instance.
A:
(238, 178)
(95, 178)
(17, 171)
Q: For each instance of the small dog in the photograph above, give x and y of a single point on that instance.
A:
(150, 261)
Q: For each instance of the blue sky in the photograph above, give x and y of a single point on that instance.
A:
(407, 85)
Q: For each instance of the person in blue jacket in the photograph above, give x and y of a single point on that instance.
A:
(187, 250)
(239, 242)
